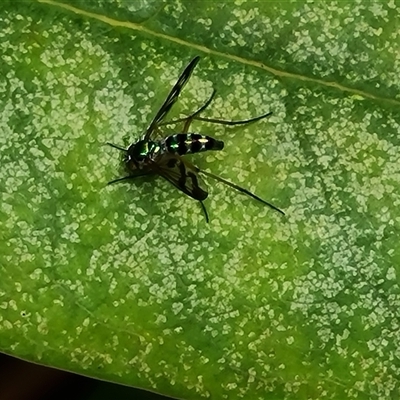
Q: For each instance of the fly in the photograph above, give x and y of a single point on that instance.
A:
(150, 156)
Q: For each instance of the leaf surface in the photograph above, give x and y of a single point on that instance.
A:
(127, 282)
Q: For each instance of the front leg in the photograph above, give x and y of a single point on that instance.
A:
(129, 177)
(116, 146)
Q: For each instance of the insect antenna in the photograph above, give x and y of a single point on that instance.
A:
(116, 146)
(240, 189)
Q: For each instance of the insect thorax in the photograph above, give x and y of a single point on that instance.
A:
(141, 151)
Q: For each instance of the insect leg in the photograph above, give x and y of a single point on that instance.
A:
(205, 105)
(116, 146)
(125, 178)
(193, 116)
(232, 123)
(189, 119)
(240, 189)
(205, 211)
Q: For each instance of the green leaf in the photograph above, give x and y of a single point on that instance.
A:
(127, 282)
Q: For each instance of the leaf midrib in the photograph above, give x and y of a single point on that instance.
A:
(279, 73)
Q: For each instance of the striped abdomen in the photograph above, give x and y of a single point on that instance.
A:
(186, 143)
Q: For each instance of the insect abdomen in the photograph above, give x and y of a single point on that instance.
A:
(187, 143)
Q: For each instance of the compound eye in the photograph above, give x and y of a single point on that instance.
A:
(140, 157)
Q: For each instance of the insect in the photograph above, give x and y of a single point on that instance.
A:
(150, 156)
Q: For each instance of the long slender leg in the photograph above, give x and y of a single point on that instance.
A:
(188, 120)
(205, 105)
(240, 189)
(125, 178)
(205, 211)
(195, 116)
(232, 123)
(116, 146)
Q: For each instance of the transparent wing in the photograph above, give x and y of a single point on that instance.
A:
(181, 173)
(172, 97)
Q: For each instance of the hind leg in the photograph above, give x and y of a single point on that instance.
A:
(188, 120)
(196, 116)
(205, 211)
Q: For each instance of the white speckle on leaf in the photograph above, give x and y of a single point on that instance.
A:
(391, 274)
